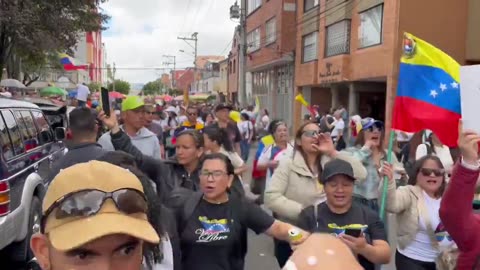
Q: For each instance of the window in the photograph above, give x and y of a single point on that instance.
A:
(338, 38)
(7, 147)
(253, 40)
(370, 28)
(309, 52)
(27, 129)
(252, 5)
(234, 65)
(45, 133)
(271, 29)
(309, 4)
(14, 133)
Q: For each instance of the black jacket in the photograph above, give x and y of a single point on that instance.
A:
(78, 153)
(166, 174)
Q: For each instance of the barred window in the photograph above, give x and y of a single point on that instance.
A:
(338, 38)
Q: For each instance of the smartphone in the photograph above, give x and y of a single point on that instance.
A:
(353, 232)
(105, 101)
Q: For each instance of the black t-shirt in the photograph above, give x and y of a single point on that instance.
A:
(233, 132)
(213, 239)
(358, 214)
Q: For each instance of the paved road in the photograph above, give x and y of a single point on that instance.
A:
(260, 247)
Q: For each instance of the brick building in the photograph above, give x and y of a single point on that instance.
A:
(233, 68)
(270, 27)
(348, 52)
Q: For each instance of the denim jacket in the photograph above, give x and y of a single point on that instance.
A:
(368, 189)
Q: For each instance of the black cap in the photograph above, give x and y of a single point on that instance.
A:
(336, 167)
(223, 106)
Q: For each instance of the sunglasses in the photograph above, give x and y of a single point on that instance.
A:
(428, 172)
(192, 113)
(443, 236)
(88, 202)
(311, 133)
(375, 127)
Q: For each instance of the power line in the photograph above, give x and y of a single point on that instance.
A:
(228, 46)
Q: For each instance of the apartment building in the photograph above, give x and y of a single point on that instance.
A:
(271, 31)
(348, 51)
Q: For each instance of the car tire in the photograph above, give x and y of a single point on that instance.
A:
(20, 251)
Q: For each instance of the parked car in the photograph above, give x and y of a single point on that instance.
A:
(29, 146)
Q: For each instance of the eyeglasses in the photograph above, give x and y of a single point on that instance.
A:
(375, 127)
(428, 172)
(87, 203)
(311, 133)
(192, 114)
(216, 175)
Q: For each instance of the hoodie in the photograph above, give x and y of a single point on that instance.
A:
(457, 215)
(145, 141)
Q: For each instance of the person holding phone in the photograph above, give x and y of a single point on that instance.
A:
(356, 225)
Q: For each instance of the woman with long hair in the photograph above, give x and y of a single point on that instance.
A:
(421, 235)
(370, 151)
(213, 225)
(294, 184)
(217, 141)
(431, 145)
(167, 174)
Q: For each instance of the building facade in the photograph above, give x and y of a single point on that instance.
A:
(270, 27)
(348, 52)
(209, 78)
(223, 85)
(233, 67)
(185, 79)
(89, 50)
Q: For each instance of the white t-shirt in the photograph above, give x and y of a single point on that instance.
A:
(265, 121)
(167, 262)
(82, 92)
(245, 127)
(181, 119)
(421, 248)
(339, 125)
(266, 156)
(236, 160)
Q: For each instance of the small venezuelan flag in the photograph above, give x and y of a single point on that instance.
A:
(428, 93)
(69, 63)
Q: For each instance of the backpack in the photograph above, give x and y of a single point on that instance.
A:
(237, 214)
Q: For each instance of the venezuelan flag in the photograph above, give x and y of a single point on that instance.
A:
(69, 63)
(265, 141)
(428, 93)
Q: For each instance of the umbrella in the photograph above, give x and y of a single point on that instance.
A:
(116, 95)
(12, 83)
(53, 91)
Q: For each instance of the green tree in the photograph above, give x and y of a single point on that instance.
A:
(120, 86)
(33, 28)
(35, 66)
(175, 92)
(153, 88)
(94, 86)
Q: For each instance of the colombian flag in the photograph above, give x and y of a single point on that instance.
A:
(69, 63)
(428, 93)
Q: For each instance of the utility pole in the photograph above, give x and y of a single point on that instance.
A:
(114, 70)
(193, 38)
(174, 66)
(237, 12)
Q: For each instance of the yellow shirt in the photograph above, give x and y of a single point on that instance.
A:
(198, 125)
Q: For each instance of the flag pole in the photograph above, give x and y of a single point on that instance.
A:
(385, 178)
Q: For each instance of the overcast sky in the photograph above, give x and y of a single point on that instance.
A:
(141, 31)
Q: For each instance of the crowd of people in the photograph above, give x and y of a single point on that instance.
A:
(162, 187)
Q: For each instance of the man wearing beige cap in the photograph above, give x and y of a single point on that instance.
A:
(94, 217)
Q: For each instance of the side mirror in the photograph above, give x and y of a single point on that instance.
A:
(60, 134)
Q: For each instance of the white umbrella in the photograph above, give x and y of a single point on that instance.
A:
(12, 83)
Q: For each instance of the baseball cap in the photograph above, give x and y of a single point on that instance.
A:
(369, 122)
(73, 232)
(132, 103)
(223, 106)
(336, 167)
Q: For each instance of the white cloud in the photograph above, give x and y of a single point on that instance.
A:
(141, 31)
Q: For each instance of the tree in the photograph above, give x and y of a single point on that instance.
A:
(30, 29)
(153, 88)
(36, 66)
(94, 86)
(120, 86)
(175, 92)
